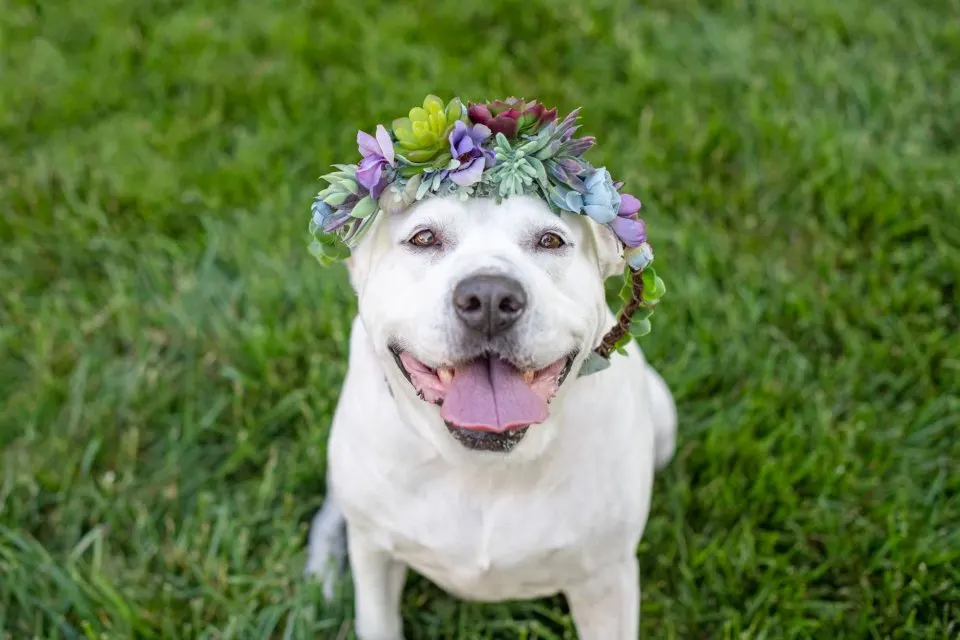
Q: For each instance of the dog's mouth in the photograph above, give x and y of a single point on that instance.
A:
(486, 398)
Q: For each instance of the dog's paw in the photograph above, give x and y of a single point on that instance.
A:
(327, 549)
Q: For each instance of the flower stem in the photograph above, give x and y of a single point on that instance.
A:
(622, 327)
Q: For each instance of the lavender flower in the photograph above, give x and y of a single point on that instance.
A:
(377, 156)
(567, 173)
(631, 230)
(465, 146)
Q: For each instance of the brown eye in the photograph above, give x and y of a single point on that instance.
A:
(425, 238)
(550, 241)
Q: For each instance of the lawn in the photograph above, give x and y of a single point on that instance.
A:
(170, 354)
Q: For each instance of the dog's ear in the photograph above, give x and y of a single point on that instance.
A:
(351, 264)
(357, 270)
(361, 258)
(608, 249)
(363, 255)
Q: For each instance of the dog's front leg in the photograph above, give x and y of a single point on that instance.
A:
(378, 587)
(607, 607)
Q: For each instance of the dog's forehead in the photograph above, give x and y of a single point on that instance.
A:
(518, 213)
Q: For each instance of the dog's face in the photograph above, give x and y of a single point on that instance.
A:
(481, 312)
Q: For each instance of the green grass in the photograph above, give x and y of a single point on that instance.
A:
(170, 355)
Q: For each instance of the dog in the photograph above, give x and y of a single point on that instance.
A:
(465, 445)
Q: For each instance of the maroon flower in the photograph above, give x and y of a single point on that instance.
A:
(511, 117)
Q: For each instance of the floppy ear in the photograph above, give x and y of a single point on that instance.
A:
(608, 249)
(351, 264)
(361, 257)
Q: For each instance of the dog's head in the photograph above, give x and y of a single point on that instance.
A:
(480, 312)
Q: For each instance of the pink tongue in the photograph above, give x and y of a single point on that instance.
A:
(490, 395)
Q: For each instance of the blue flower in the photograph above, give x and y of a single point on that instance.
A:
(601, 201)
(639, 258)
(326, 218)
(566, 199)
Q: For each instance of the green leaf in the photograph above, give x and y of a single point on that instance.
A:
(626, 289)
(504, 187)
(345, 182)
(360, 228)
(409, 171)
(334, 176)
(364, 208)
(661, 288)
(549, 151)
(408, 168)
(594, 363)
(454, 111)
(640, 324)
(327, 254)
(653, 286)
(423, 188)
(534, 145)
(642, 313)
(542, 177)
(336, 199)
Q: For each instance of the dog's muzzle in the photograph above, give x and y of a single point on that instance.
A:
(487, 402)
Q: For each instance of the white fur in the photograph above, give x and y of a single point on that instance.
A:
(563, 511)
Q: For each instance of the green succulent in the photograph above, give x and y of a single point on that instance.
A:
(343, 191)
(517, 170)
(422, 137)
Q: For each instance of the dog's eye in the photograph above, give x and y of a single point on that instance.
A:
(550, 241)
(425, 238)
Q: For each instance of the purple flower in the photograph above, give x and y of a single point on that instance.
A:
(631, 230)
(580, 146)
(377, 154)
(567, 172)
(465, 146)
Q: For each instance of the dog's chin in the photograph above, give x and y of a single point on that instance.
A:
(487, 402)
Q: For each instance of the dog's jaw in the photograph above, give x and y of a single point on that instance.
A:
(487, 440)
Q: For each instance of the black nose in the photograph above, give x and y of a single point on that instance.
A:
(488, 303)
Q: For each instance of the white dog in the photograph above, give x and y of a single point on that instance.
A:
(464, 445)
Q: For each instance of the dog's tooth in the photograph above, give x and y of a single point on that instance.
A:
(445, 375)
(528, 376)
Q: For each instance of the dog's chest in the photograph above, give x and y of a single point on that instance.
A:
(484, 539)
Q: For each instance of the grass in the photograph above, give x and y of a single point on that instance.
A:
(170, 355)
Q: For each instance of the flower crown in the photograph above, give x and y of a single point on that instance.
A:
(499, 149)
